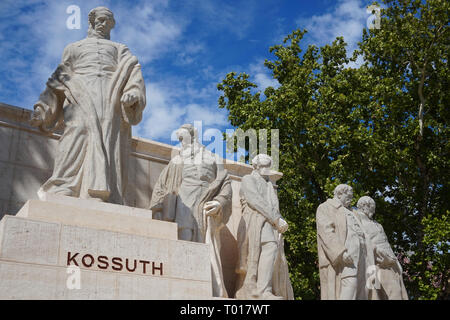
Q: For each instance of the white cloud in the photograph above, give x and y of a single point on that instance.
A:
(39, 35)
(172, 103)
(148, 29)
(209, 117)
(36, 35)
(262, 76)
(348, 19)
(160, 116)
(189, 52)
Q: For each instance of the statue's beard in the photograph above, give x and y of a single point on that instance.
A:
(102, 34)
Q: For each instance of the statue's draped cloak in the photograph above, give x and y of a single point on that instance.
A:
(256, 211)
(207, 229)
(390, 276)
(84, 92)
(331, 225)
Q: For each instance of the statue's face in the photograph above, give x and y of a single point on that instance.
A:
(264, 170)
(184, 136)
(346, 198)
(103, 24)
(370, 210)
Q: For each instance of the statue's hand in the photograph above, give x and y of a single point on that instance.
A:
(212, 207)
(37, 117)
(282, 225)
(129, 99)
(383, 258)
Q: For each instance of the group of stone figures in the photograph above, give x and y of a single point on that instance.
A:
(194, 190)
(356, 260)
(97, 92)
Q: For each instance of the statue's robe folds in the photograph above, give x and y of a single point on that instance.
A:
(180, 194)
(84, 94)
(260, 206)
(331, 225)
(388, 270)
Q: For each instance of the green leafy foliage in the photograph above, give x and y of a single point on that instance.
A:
(381, 128)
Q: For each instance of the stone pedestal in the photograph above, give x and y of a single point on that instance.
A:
(121, 253)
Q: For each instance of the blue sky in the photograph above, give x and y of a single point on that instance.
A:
(185, 48)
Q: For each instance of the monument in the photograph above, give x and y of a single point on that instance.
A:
(388, 272)
(71, 243)
(98, 92)
(34, 257)
(356, 260)
(194, 191)
(77, 188)
(262, 267)
(341, 247)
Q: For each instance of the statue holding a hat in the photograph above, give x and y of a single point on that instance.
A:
(262, 267)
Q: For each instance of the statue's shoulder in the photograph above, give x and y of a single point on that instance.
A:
(176, 160)
(118, 44)
(326, 207)
(78, 43)
(376, 223)
(247, 178)
(325, 204)
(72, 45)
(208, 153)
(247, 184)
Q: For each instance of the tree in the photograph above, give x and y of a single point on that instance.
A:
(382, 128)
(407, 60)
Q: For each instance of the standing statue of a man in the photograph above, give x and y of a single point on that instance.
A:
(341, 248)
(194, 190)
(262, 267)
(98, 92)
(388, 270)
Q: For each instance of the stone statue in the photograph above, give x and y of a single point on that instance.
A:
(388, 269)
(341, 248)
(98, 92)
(194, 190)
(262, 267)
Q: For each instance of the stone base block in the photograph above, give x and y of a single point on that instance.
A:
(112, 255)
(97, 215)
(39, 282)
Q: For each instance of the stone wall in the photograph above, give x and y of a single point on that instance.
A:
(26, 161)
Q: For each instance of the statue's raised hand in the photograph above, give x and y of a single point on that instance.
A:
(37, 117)
(128, 99)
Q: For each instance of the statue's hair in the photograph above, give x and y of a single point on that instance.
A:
(262, 159)
(192, 130)
(341, 189)
(365, 201)
(92, 14)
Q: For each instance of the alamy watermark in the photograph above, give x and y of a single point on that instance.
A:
(74, 19)
(374, 21)
(73, 281)
(248, 143)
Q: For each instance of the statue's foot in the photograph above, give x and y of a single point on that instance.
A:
(42, 195)
(267, 295)
(99, 195)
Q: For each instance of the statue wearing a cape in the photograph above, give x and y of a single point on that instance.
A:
(98, 92)
(194, 190)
